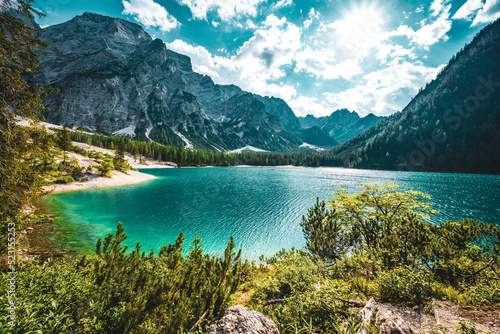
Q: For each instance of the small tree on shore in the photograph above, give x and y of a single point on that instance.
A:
(106, 166)
(120, 164)
(64, 142)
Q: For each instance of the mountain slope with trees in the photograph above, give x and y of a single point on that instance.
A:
(453, 124)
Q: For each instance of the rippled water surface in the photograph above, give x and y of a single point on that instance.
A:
(260, 207)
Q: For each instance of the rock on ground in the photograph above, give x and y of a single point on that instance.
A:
(240, 320)
(390, 322)
(406, 320)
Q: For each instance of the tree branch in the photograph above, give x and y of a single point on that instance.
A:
(199, 320)
(273, 301)
(354, 303)
(489, 264)
(481, 277)
(495, 271)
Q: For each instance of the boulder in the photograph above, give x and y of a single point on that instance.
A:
(240, 320)
(390, 322)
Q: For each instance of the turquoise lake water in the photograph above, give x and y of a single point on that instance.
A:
(260, 207)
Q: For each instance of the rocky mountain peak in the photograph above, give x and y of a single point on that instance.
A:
(180, 61)
(90, 34)
(113, 76)
(98, 18)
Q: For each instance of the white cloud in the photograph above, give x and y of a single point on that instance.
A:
(202, 60)
(432, 33)
(225, 9)
(270, 48)
(393, 50)
(257, 64)
(150, 14)
(250, 24)
(384, 51)
(322, 63)
(399, 51)
(307, 23)
(385, 91)
(313, 14)
(429, 33)
(283, 3)
(357, 34)
(468, 9)
(303, 106)
(403, 30)
(273, 21)
(490, 12)
(438, 7)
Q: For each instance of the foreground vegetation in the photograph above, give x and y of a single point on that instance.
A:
(372, 244)
(120, 291)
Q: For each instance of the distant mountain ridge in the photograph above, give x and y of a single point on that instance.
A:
(342, 124)
(453, 124)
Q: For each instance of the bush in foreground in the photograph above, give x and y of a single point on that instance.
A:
(121, 291)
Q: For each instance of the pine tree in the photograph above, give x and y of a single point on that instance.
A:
(19, 52)
(64, 142)
(119, 160)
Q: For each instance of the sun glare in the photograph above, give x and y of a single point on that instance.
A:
(361, 25)
(362, 15)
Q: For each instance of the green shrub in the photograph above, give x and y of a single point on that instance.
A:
(64, 179)
(294, 273)
(105, 167)
(482, 293)
(442, 291)
(122, 291)
(404, 286)
(74, 168)
(467, 327)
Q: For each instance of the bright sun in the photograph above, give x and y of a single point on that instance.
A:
(361, 25)
(361, 15)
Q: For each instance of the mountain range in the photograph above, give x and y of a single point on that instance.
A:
(342, 124)
(113, 78)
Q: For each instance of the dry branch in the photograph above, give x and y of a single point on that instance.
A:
(354, 303)
(199, 320)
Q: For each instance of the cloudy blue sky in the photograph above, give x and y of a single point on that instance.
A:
(319, 56)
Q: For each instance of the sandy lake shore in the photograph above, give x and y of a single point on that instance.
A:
(95, 181)
(117, 179)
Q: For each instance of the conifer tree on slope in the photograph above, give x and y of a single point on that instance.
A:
(19, 52)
